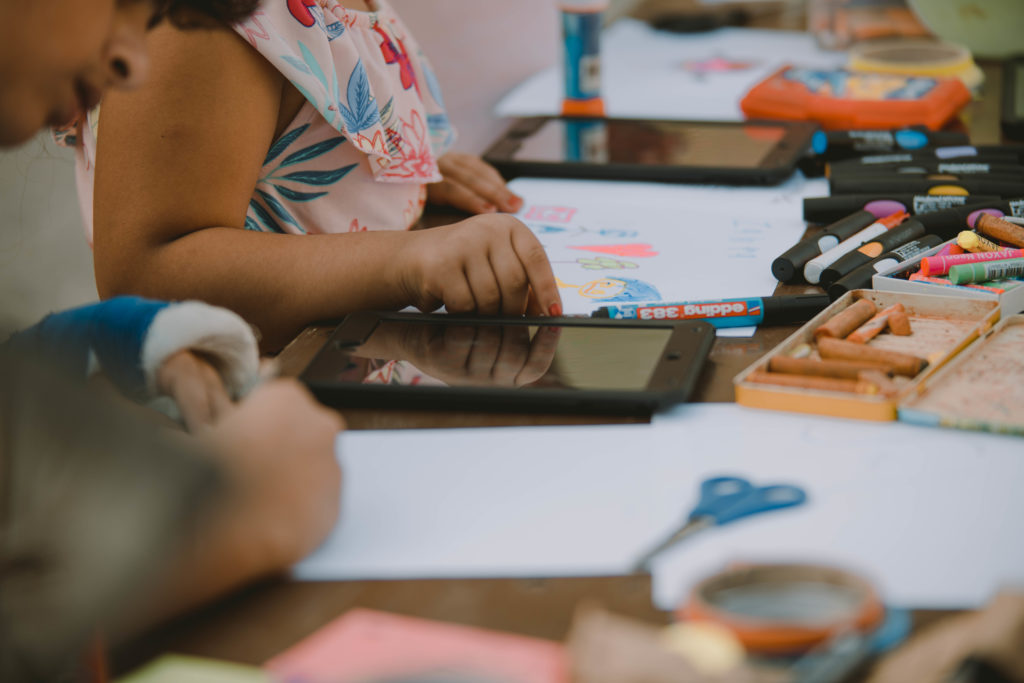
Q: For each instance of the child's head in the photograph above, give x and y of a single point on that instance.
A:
(58, 56)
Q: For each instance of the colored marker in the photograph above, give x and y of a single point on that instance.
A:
(766, 310)
(955, 167)
(940, 265)
(828, 209)
(844, 144)
(909, 230)
(789, 266)
(861, 277)
(815, 267)
(581, 32)
(981, 272)
(1003, 154)
(1002, 186)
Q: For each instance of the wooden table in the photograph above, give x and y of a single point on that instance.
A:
(258, 623)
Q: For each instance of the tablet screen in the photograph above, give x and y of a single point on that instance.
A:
(539, 357)
(664, 143)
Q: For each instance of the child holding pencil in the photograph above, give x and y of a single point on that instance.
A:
(255, 490)
(275, 167)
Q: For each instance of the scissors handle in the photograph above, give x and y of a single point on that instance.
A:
(720, 492)
(759, 499)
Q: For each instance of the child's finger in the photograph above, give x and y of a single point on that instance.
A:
(512, 280)
(454, 193)
(535, 261)
(485, 180)
(484, 284)
(484, 354)
(458, 295)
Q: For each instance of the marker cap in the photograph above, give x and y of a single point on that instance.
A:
(860, 278)
(789, 266)
(901, 234)
(789, 310)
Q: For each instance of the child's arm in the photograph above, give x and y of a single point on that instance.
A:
(177, 163)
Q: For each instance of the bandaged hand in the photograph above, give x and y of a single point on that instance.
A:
(196, 386)
(473, 185)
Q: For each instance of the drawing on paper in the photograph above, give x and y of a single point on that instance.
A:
(550, 214)
(608, 289)
(624, 250)
(703, 68)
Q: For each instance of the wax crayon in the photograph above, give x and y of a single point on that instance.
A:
(899, 323)
(847, 386)
(847, 320)
(790, 265)
(862, 276)
(874, 326)
(902, 363)
(998, 229)
(909, 230)
(991, 270)
(839, 369)
(973, 242)
(814, 267)
(918, 277)
(940, 265)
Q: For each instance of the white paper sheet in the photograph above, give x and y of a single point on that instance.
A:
(612, 242)
(935, 517)
(657, 74)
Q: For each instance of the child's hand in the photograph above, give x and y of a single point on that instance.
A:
(196, 386)
(488, 264)
(277, 448)
(473, 185)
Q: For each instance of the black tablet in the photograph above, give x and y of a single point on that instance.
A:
(732, 152)
(428, 362)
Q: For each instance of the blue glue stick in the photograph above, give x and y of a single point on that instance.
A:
(581, 31)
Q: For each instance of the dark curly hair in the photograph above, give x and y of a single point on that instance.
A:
(195, 13)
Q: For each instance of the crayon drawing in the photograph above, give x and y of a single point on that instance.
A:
(675, 242)
(610, 289)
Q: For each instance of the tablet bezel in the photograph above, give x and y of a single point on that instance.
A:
(672, 381)
(777, 165)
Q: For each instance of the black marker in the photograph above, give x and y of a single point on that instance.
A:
(828, 209)
(789, 267)
(906, 231)
(846, 144)
(990, 153)
(949, 222)
(862, 276)
(989, 185)
(765, 310)
(958, 167)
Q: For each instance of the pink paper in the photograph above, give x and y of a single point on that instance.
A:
(366, 644)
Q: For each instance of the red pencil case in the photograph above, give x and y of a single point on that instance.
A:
(844, 99)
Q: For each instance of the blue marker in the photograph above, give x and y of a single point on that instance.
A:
(767, 310)
(848, 144)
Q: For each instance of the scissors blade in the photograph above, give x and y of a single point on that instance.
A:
(692, 526)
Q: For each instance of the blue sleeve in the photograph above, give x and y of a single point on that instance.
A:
(113, 330)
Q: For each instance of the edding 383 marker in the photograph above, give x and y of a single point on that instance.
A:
(767, 310)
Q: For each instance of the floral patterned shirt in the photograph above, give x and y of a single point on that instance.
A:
(361, 149)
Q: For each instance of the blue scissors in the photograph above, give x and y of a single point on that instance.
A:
(724, 500)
